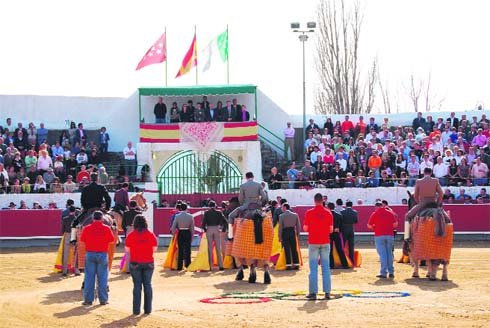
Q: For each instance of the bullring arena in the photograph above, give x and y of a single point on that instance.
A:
(32, 296)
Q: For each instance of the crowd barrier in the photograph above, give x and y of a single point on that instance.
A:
(18, 224)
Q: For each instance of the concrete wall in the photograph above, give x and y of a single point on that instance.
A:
(119, 115)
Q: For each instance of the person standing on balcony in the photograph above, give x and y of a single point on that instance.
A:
(244, 115)
(160, 111)
(289, 141)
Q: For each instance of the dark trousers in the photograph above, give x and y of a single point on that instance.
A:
(141, 274)
(289, 243)
(335, 238)
(348, 235)
(184, 245)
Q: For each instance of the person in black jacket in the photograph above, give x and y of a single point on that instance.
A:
(335, 238)
(349, 218)
(212, 223)
(160, 111)
(94, 195)
(418, 122)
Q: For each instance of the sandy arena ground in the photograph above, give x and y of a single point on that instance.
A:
(32, 296)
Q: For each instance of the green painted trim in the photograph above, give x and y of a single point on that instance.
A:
(198, 90)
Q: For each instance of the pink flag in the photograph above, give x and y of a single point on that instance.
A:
(156, 54)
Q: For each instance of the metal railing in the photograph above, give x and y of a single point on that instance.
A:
(273, 140)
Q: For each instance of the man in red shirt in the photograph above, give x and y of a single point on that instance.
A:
(347, 126)
(319, 225)
(96, 237)
(383, 221)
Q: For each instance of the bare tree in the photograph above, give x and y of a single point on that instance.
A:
(422, 88)
(341, 89)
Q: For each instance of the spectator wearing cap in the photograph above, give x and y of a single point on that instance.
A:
(12, 206)
(289, 140)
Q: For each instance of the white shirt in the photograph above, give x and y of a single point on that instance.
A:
(440, 170)
(343, 163)
(425, 164)
(128, 156)
(288, 133)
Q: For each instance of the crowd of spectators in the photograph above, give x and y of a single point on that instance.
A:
(367, 154)
(29, 164)
(203, 111)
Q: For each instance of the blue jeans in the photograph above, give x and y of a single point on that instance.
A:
(384, 247)
(160, 120)
(480, 181)
(376, 178)
(141, 274)
(96, 264)
(411, 181)
(314, 251)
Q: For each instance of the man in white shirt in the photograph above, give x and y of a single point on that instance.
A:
(440, 171)
(130, 159)
(289, 140)
(426, 163)
(479, 173)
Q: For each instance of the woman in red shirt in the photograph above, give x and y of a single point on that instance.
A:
(141, 244)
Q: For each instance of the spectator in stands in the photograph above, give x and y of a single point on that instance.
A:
(185, 115)
(347, 127)
(311, 126)
(462, 195)
(56, 187)
(483, 194)
(64, 139)
(69, 186)
(26, 186)
(76, 149)
(452, 173)
(275, 179)
(236, 110)
(82, 157)
(360, 127)
(72, 133)
(292, 174)
(464, 172)
(174, 113)
(244, 115)
(479, 173)
(103, 140)
(453, 120)
(130, 159)
(56, 150)
(103, 176)
(84, 173)
(308, 169)
(49, 176)
(160, 111)
(81, 135)
(32, 134)
(44, 162)
(429, 124)
(199, 113)
(419, 122)
(441, 171)
(374, 164)
(211, 113)
(40, 185)
(36, 206)
(42, 134)
(328, 127)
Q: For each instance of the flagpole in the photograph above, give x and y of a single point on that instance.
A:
(228, 57)
(195, 51)
(166, 59)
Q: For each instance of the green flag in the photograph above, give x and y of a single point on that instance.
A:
(215, 46)
(222, 41)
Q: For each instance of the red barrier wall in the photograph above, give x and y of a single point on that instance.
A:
(30, 223)
(466, 218)
(46, 223)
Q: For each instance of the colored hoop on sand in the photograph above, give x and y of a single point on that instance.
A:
(378, 294)
(334, 291)
(252, 295)
(216, 300)
(299, 297)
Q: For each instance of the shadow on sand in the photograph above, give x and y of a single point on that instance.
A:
(433, 286)
(129, 321)
(66, 296)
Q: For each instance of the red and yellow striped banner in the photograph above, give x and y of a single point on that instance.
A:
(163, 133)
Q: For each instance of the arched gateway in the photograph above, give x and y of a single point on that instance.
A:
(189, 172)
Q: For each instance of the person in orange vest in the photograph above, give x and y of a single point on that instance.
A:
(374, 163)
